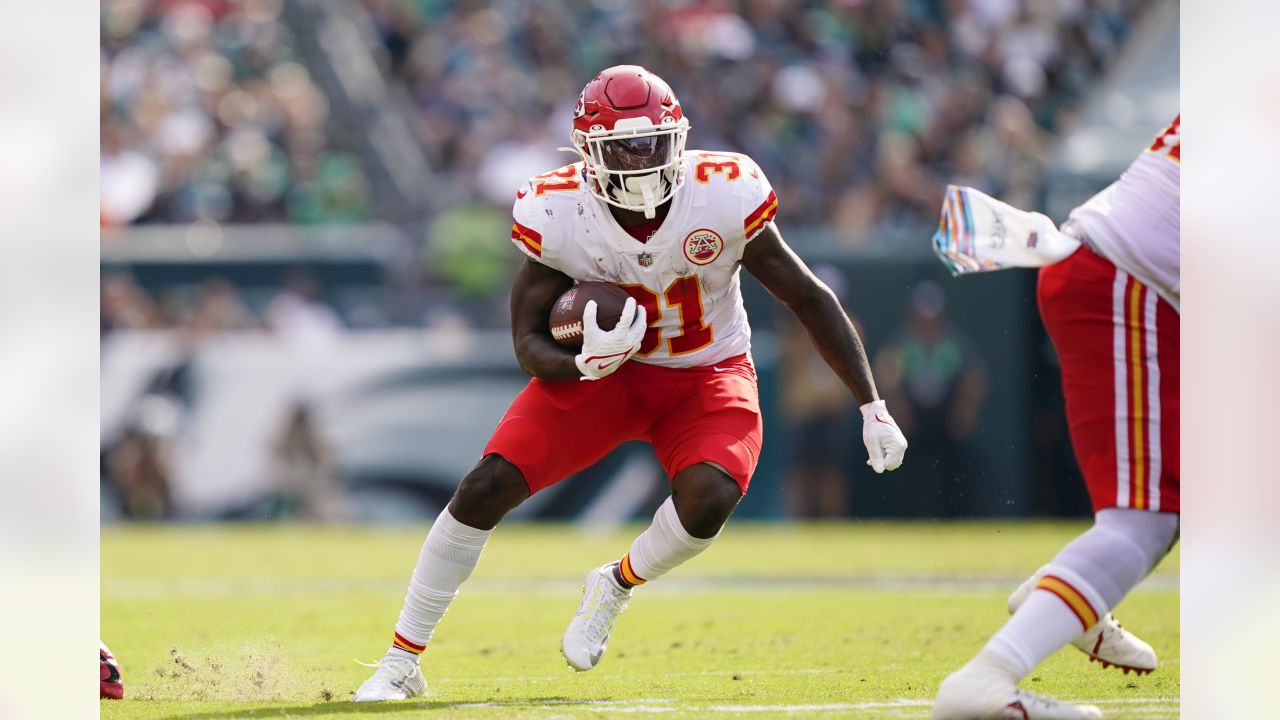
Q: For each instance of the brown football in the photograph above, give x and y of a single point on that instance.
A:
(566, 314)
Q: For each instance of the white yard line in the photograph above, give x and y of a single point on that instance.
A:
(650, 676)
(882, 582)
(1148, 707)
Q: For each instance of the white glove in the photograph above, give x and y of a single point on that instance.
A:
(604, 351)
(885, 443)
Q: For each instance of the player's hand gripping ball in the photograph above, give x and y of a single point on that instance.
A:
(566, 314)
(111, 685)
(604, 321)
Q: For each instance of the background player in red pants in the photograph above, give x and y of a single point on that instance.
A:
(1111, 308)
(672, 227)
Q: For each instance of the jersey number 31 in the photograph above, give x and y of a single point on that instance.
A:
(685, 294)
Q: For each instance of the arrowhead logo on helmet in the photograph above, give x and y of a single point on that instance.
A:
(630, 132)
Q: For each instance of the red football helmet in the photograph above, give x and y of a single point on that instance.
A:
(630, 132)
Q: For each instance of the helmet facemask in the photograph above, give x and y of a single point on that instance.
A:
(636, 166)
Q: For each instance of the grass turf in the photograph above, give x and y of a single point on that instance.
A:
(842, 620)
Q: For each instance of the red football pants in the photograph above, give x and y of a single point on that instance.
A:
(689, 415)
(1117, 342)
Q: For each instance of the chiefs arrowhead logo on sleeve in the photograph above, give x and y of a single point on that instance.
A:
(703, 246)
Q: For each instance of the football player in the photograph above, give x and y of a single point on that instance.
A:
(1112, 309)
(672, 227)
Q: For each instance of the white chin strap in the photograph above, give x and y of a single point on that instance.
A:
(640, 190)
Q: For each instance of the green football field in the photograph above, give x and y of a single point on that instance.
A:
(806, 621)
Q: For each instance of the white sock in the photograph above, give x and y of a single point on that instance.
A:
(1087, 577)
(661, 547)
(1062, 606)
(448, 556)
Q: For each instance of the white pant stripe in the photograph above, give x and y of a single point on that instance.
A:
(1121, 388)
(1153, 402)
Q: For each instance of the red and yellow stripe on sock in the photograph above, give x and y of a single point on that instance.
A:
(407, 646)
(627, 573)
(1073, 598)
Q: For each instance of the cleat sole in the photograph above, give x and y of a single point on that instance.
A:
(1125, 668)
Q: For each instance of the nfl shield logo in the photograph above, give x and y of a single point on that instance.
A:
(645, 259)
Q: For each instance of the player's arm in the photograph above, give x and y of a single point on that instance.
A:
(768, 258)
(535, 290)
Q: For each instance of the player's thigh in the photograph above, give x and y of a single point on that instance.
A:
(717, 420)
(555, 429)
(1106, 327)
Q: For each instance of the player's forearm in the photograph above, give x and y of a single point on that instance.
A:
(543, 358)
(837, 342)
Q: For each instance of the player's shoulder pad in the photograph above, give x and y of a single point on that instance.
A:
(740, 178)
(530, 229)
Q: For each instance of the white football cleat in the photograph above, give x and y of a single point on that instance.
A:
(1030, 706)
(979, 691)
(1107, 642)
(397, 678)
(603, 600)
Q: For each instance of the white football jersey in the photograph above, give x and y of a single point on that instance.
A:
(686, 274)
(1135, 223)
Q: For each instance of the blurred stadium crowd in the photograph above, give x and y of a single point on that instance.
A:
(207, 113)
(857, 109)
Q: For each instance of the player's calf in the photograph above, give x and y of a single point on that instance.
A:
(448, 556)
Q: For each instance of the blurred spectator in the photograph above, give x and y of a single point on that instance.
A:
(213, 306)
(306, 476)
(300, 316)
(218, 308)
(818, 409)
(935, 381)
(469, 252)
(124, 305)
(137, 466)
(206, 113)
(130, 180)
